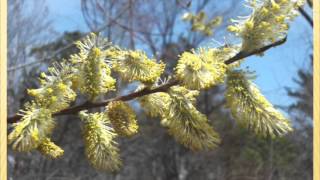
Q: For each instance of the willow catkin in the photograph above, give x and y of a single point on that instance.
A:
(50, 149)
(100, 148)
(35, 125)
(251, 109)
(200, 70)
(267, 23)
(122, 118)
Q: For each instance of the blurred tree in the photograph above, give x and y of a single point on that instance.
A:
(28, 26)
(302, 110)
(152, 25)
(302, 114)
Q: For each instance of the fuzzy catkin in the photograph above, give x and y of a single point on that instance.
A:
(267, 23)
(200, 70)
(35, 125)
(123, 118)
(50, 149)
(251, 109)
(100, 148)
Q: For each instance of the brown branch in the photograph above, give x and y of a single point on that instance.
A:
(244, 54)
(147, 91)
(89, 105)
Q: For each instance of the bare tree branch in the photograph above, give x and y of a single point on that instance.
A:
(162, 88)
(103, 27)
(310, 3)
(306, 16)
(243, 54)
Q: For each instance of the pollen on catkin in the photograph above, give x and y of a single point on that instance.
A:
(91, 41)
(136, 66)
(100, 148)
(187, 94)
(95, 75)
(50, 149)
(200, 70)
(92, 71)
(187, 125)
(36, 124)
(156, 104)
(122, 118)
(267, 23)
(55, 92)
(251, 109)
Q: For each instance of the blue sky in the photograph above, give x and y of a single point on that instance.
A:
(275, 70)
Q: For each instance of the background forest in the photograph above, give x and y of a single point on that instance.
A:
(39, 36)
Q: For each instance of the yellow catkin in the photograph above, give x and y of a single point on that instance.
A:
(123, 118)
(200, 70)
(156, 104)
(136, 66)
(267, 23)
(36, 124)
(55, 92)
(100, 148)
(251, 109)
(50, 149)
(96, 75)
(187, 125)
(92, 72)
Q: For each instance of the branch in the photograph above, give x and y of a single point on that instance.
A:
(146, 91)
(243, 54)
(306, 16)
(310, 3)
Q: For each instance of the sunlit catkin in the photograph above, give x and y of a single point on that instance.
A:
(100, 148)
(55, 92)
(156, 104)
(251, 109)
(136, 66)
(123, 118)
(187, 125)
(91, 69)
(267, 23)
(200, 70)
(36, 124)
